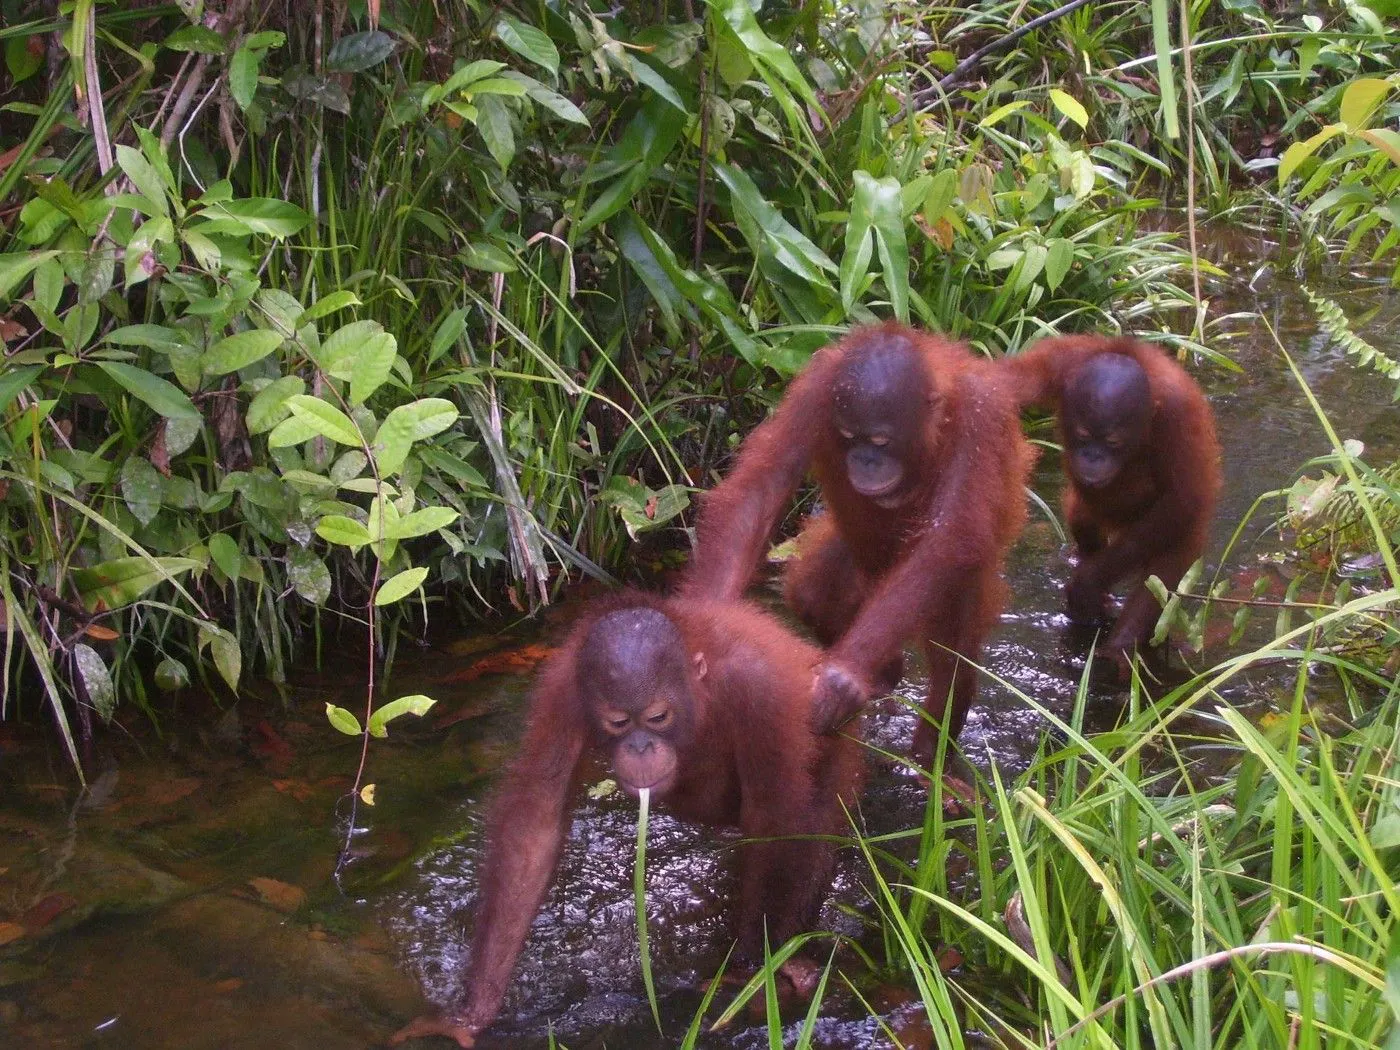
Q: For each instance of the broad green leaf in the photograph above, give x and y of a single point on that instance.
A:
(1385, 140)
(350, 465)
(418, 704)
(359, 51)
(243, 75)
(763, 51)
(228, 657)
(347, 532)
(400, 585)
(448, 331)
(483, 255)
(327, 304)
(144, 177)
(468, 74)
(21, 60)
(878, 203)
(409, 423)
(96, 679)
(1069, 106)
(12, 382)
(649, 77)
(941, 192)
(197, 38)
(171, 675)
(240, 350)
(343, 720)
(528, 42)
(180, 433)
(269, 405)
(165, 397)
(142, 489)
(328, 421)
(419, 523)
(1301, 151)
(1058, 261)
(16, 266)
(226, 554)
(291, 431)
(1360, 99)
(308, 575)
(342, 348)
(372, 366)
(121, 581)
(551, 100)
(493, 122)
(264, 215)
(507, 86)
(155, 336)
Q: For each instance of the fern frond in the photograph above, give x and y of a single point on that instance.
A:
(1334, 322)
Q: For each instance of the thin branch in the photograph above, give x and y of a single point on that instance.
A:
(966, 66)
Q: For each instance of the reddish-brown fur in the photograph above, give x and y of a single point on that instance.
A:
(1152, 519)
(752, 763)
(867, 578)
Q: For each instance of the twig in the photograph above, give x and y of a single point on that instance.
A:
(233, 14)
(967, 65)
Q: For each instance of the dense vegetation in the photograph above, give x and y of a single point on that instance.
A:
(324, 322)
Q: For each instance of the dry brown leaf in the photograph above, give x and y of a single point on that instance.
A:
(229, 984)
(10, 931)
(98, 633)
(48, 909)
(509, 661)
(280, 895)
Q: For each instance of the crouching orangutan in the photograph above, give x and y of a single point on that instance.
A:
(706, 705)
(1142, 470)
(918, 450)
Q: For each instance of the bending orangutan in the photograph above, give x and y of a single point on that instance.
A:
(1142, 466)
(706, 705)
(921, 462)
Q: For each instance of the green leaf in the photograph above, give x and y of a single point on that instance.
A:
(171, 675)
(327, 420)
(240, 350)
(418, 704)
(400, 585)
(494, 124)
(12, 382)
(142, 489)
(228, 658)
(372, 366)
(1069, 106)
(999, 114)
(528, 42)
(342, 348)
(1301, 151)
(22, 60)
(448, 331)
(879, 200)
(1058, 261)
(328, 304)
(264, 215)
(138, 169)
(180, 433)
(409, 423)
(1360, 99)
(420, 523)
(1385, 140)
(96, 679)
(343, 720)
(291, 431)
(243, 75)
(121, 581)
(199, 39)
(309, 576)
(359, 51)
(165, 397)
(226, 554)
(16, 266)
(347, 532)
(548, 98)
(269, 405)
(941, 192)
(459, 80)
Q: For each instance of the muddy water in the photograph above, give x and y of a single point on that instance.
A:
(189, 900)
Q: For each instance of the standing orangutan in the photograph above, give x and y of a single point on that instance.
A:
(705, 704)
(1142, 466)
(918, 451)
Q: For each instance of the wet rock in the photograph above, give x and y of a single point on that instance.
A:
(229, 936)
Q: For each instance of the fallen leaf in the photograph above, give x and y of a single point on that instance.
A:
(229, 984)
(949, 959)
(168, 792)
(508, 661)
(99, 633)
(298, 789)
(11, 331)
(367, 794)
(318, 935)
(10, 931)
(478, 708)
(268, 744)
(48, 909)
(159, 455)
(280, 895)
